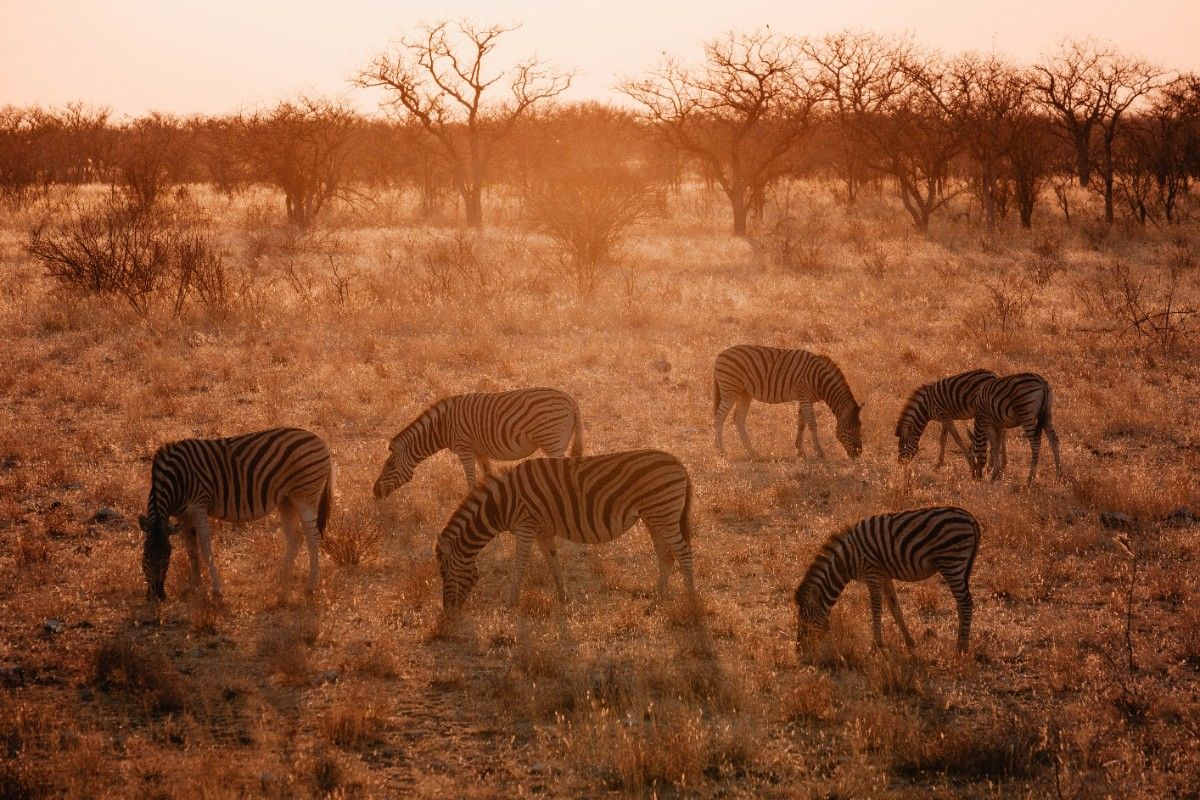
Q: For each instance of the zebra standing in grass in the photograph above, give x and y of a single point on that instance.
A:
(587, 500)
(776, 375)
(505, 426)
(907, 546)
(943, 400)
(237, 479)
(1021, 400)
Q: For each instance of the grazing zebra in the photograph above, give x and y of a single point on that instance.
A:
(505, 426)
(589, 500)
(1023, 399)
(907, 546)
(943, 400)
(237, 479)
(775, 375)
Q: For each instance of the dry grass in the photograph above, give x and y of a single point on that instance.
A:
(362, 693)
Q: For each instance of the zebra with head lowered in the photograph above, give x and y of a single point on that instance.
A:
(236, 479)
(1023, 400)
(907, 546)
(479, 427)
(589, 500)
(942, 400)
(776, 375)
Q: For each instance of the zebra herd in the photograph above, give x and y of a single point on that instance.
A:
(594, 499)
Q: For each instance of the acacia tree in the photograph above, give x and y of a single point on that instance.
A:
(441, 79)
(741, 113)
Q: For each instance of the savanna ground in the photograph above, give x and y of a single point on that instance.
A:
(361, 693)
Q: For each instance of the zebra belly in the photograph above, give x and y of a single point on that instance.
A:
(597, 534)
(508, 452)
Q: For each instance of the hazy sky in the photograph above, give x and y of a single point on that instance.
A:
(222, 55)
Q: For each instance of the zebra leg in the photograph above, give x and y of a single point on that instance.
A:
(485, 466)
(1052, 437)
(204, 539)
(801, 425)
(999, 457)
(1035, 448)
(189, 541)
(963, 600)
(468, 464)
(942, 445)
(958, 440)
(550, 553)
(291, 532)
(719, 416)
(873, 588)
(739, 420)
(525, 539)
(889, 593)
(312, 537)
(806, 410)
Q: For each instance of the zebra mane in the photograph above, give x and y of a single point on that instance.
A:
(842, 383)
(431, 411)
(472, 505)
(822, 560)
(910, 404)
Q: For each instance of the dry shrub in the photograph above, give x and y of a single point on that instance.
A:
(124, 665)
(812, 698)
(284, 650)
(133, 253)
(795, 244)
(1009, 747)
(1150, 307)
(353, 538)
(354, 720)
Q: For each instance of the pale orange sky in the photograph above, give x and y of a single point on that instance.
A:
(224, 55)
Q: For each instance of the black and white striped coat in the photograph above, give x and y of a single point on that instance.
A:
(743, 373)
(236, 479)
(944, 401)
(589, 500)
(1023, 400)
(482, 426)
(906, 546)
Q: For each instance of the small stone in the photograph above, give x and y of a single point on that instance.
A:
(73, 486)
(1183, 517)
(53, 626)
(326, 676)
(1115, 520)
(106, 516)
(660, 364)
(9, 462)
(83, 624)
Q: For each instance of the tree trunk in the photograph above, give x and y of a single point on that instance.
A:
(737, 199)
(1083, 163)
(989, 198)
(473, 205)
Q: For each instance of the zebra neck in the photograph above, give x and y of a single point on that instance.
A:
(483, 520)
(840, 399)
(169, 493)
(430, 433)
(832, 570)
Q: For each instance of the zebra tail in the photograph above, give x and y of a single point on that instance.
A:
(577, 441)
(323, 507)
(685, 521)
(975, 551)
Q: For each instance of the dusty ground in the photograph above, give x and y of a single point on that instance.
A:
(362, 694)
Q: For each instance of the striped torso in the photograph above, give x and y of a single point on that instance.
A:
(508, 425)
(1013, 400)
(780, 375)
(239, 478)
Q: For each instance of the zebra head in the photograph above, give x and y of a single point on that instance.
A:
(397, 470)
(156, 554)
(811, 614)
(849, 429)
(459, 571)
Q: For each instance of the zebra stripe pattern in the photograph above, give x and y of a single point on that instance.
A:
(943, 400)
(1022, 400)
(588, 500)
(479, 427)
(237, 479)
(907, 546)
(776, 375)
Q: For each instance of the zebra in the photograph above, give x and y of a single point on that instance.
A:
(506, 426)
(776, 375)
(1023, 400)
(589, 500)
(943, 400)
(906, 546)
(236, 479)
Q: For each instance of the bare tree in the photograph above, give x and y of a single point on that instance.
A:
(440, 78)
(1089, 86)
(859, 75)
(983, 98)
(149, 154)
(741, 113)
(301, 146)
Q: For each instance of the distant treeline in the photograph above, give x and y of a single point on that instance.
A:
(864, 110)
